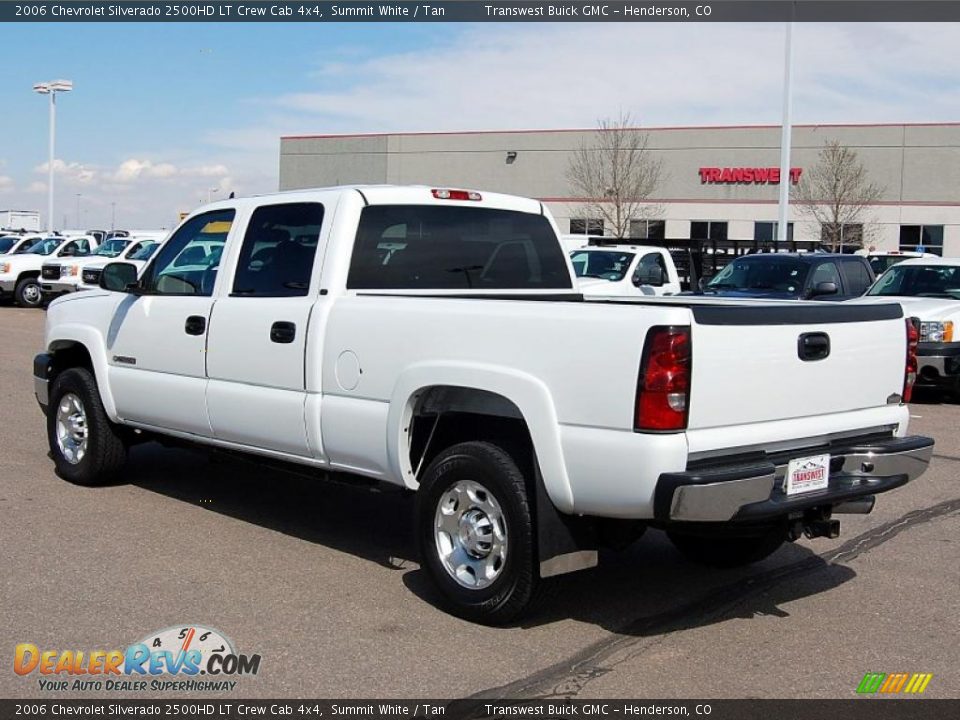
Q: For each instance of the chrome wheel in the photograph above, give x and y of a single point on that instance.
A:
(471, 534)
(31, 294)
(71, 428)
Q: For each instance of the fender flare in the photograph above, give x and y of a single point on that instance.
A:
(95, 346)
(529, 394)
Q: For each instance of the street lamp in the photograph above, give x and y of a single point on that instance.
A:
(113, 215)
(79, 195)
(52, 88)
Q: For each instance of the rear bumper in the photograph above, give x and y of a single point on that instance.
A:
(755, 491)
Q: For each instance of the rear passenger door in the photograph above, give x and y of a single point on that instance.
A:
(258, 332)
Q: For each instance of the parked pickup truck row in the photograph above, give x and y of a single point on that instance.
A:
(432, 338)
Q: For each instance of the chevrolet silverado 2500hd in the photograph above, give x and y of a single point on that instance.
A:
(432, 338)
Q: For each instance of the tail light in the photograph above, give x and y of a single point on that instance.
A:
(663, 391)
(456, 195)
(910, 371)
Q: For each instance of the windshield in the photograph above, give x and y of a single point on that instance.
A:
(7, 242)
(606, 264)
(111, 248)
(941, 281)
(143, 251)
(882, 263)
(44, 246)
(776, 274)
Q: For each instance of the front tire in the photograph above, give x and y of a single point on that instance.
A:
(729, 552)
(475, 533)
(28, 293)
(84, 444)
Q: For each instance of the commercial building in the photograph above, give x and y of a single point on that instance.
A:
(718, 183)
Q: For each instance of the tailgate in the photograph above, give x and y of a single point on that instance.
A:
(747, 364)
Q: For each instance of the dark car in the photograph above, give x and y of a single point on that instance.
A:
(793, 276)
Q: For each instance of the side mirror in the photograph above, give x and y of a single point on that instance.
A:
(652, 275)
(119, 277)
(703, 282)
(824, 288)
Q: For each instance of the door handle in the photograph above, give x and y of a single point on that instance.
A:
(195, 325)
(813, 346)
(283, 332)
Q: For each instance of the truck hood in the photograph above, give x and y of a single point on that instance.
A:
(20, 262)
(921, 307)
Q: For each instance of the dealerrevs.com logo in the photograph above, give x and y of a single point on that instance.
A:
(182, 658)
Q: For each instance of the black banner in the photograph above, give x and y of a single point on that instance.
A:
(480, 11)
(865, 708)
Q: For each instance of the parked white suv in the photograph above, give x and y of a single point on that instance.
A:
(20, 273)
(137, 254)
(434, 339)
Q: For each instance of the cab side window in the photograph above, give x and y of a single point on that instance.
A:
(858, 279)
(826, 272)
(651, 270)
(188, 263)
(276, 259)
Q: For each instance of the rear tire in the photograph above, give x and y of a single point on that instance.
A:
(85, 446)
(28, 293)
(729, 552)
(475, 533)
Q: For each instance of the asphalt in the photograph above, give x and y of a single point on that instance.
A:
(322, 581)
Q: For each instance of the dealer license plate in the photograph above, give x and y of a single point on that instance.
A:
(808, 474)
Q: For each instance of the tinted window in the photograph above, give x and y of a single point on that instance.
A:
(651, 270)
(276, 259)
(920, 281)
(6, 243)
(762, 272)
(188, 262)
(45, 246)
(858, 279)
(606, 264)
(142, 250)
(436, 247)
(825, 272)
(112, 248)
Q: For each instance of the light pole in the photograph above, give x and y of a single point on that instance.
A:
(52, 88)
(79, 195)
(113, 215)
(785, 133)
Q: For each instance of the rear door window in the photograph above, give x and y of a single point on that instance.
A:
(462, 248)
(857, 277)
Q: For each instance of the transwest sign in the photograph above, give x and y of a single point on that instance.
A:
(746, 175)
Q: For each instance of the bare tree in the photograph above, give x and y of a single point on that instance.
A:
(837, 192)
(616, 174)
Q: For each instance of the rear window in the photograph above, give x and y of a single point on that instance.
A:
(460, 248)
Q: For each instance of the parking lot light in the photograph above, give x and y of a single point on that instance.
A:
(52, 88)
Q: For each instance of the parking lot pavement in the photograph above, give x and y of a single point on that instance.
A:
(322, 581)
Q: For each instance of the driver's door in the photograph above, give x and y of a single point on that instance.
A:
(157, 340)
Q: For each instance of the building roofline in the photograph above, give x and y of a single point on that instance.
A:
(319, 136)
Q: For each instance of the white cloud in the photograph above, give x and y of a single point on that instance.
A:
(37, 187)
(6, 183)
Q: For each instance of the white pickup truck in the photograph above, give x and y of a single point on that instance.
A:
(432, 338)
(928, 288)
(20, 273)
(624, 270)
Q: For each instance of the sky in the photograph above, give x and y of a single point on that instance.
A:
(164, 115)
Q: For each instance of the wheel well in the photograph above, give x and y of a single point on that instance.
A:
(28, 274)
(447, 415)
(68, 355)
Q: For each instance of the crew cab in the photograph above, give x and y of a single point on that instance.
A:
(929, 288)
(20, 273)
(624, 270)
(433, 339)
(793, 276)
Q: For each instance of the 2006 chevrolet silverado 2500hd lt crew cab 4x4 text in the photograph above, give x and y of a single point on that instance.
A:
(433, 339)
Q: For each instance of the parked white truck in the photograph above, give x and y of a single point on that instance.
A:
(624, 270)
(433, 339)
(20, 273)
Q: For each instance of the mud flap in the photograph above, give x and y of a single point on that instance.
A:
(565, 543)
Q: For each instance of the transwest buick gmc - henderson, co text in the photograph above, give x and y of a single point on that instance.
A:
(433, 339)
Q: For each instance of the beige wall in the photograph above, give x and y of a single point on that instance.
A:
(918, 166)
